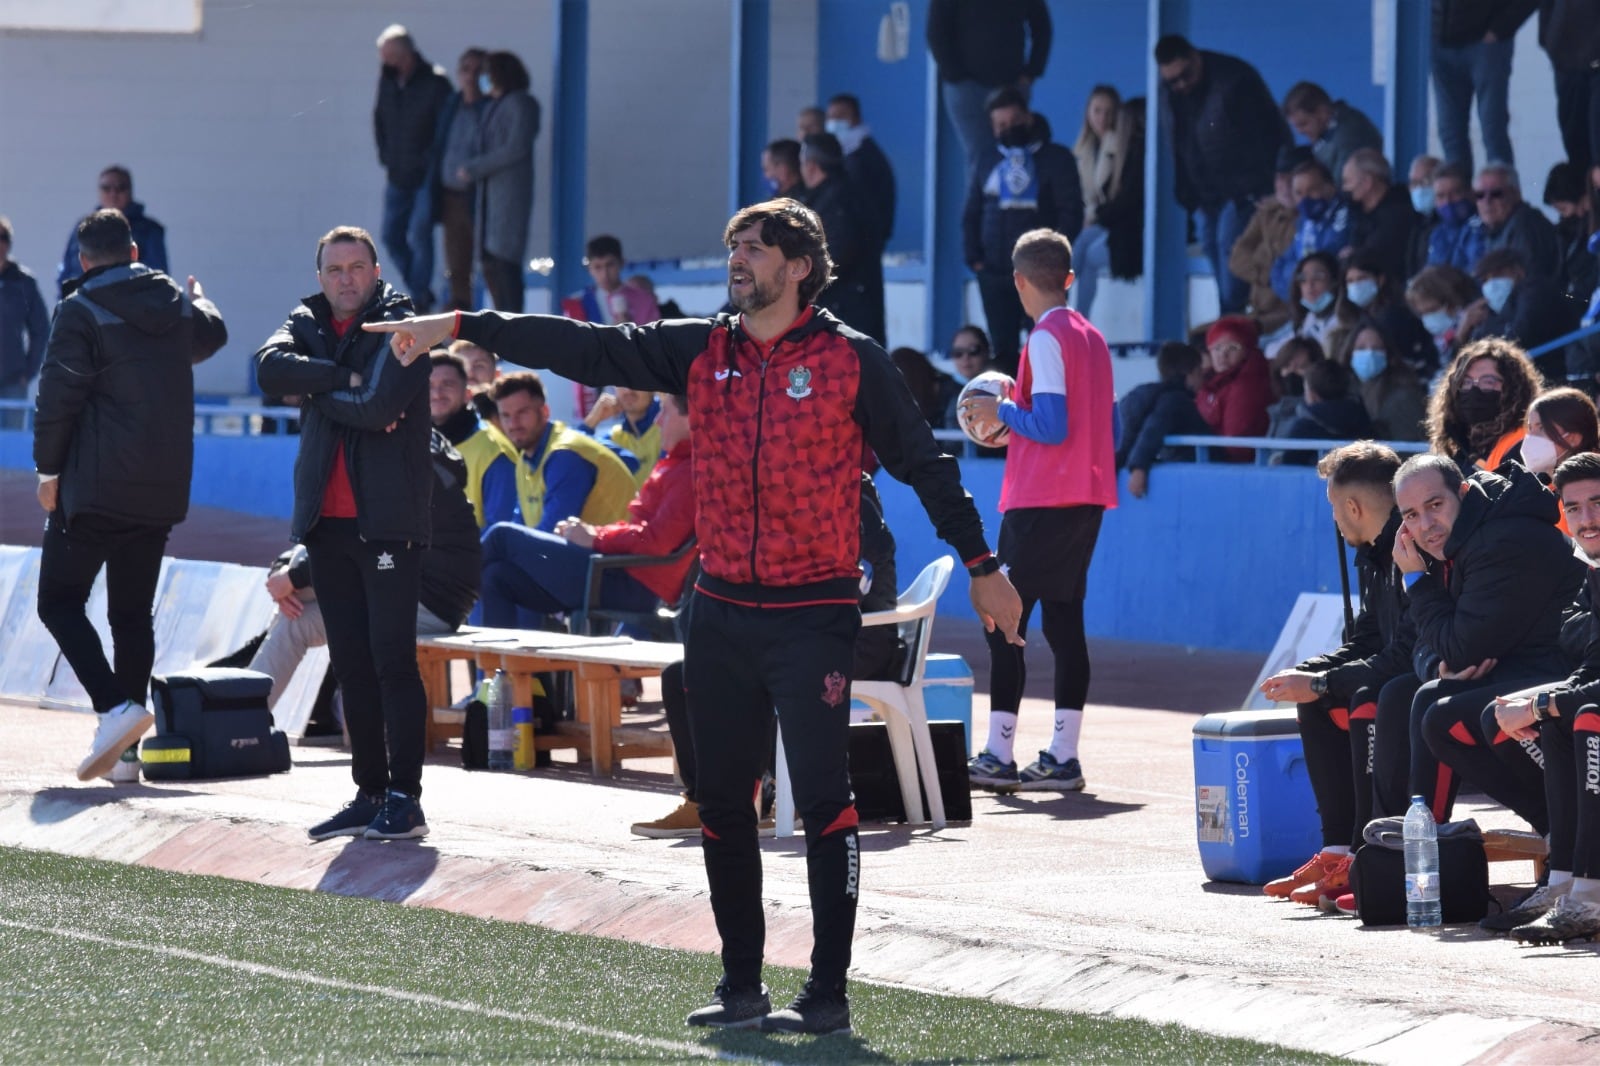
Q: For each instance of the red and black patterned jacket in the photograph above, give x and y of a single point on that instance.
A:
(778, 431)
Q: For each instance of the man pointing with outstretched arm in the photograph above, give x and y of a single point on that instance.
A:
(783, 399)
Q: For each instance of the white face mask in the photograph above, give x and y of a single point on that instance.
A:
(1539, 454)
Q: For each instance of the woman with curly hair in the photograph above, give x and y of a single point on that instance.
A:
(1477, 416)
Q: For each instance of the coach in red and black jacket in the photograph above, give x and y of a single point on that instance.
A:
(782, 398)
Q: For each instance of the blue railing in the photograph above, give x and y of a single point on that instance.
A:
(1265, 446)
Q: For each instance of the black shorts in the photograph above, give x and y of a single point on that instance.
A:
(1046, 550)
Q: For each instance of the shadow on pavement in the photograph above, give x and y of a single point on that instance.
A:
(1065, 806)
(379, 869)
(54, 805)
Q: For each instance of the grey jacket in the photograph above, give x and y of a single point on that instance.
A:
(1530, 233)
(503, 169)
(1351, 130)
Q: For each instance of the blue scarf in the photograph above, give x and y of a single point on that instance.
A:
(1016, 179)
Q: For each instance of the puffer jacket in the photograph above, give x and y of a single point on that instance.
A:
(1379, 645)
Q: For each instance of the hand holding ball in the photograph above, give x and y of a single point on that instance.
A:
(975, 409)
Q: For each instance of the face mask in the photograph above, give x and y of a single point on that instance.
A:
(484, 85)
(1475, 406)
(1437, 322)
(836, 126)
(1422, 199)
(1496, 291)
(772, 186)
(1539, 454)
(1368, 363)
(1362, 292)
(1457, 212)
(1016, 137)
(1319, 305)
(1294, 385)
(1314, 208)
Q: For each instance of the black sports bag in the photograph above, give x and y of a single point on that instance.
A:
(1378, 874)
(213, 722)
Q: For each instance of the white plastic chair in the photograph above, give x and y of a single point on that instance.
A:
(898, 702)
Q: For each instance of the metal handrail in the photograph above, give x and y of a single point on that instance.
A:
(253, 416)
(1265, 446)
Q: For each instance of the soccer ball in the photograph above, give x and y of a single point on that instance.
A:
(994, 383)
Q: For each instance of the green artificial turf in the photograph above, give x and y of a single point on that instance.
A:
(101, 962)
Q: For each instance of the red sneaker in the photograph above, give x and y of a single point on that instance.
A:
(1334, 882)
(1346, 905)
(1308, 874)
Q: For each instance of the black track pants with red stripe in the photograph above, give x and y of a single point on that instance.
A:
(740, 663)
(1391, 759)
(1340, 741)
(1571, 747)
(1455, 736)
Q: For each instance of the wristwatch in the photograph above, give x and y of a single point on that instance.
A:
(987, 565)
(1541, 706)
(1319, 684)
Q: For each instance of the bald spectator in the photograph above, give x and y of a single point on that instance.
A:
(780, 165)
(1333, 128)
(1382, 219)
(1509, 221)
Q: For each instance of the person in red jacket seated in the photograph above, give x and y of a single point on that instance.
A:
(1235, 397)
(550, 577)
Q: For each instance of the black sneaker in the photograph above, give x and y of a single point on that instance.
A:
(352, 819)
(819, 1010)
(1528, 909)
(400, 818)
(734, 1008)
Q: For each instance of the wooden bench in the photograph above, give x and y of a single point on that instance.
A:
(598, 665)
(1515, 845)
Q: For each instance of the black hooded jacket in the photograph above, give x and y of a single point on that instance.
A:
(1507, 581)
(115, 414)
(1379, 646)
(453, 561)
(384, 423)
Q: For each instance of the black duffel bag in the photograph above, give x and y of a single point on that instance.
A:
(1378, 874)
(212, 722)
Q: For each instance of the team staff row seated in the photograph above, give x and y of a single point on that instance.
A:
(783, 398)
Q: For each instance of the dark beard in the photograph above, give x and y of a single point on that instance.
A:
(759, 298)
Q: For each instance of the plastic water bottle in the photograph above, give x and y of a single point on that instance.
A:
(502, 738)
(1422, 868)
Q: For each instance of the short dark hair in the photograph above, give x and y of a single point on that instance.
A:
(849, 100)
(527, 381)
(785, 151)
(824, 150)
(1171, 48)
(1176, 359)
(1446, 467)
(1305, 96)
(347, 235)
(1044, 257)
(1499, 261)
(1329, 379)
(1368, 260)
(1564, 185)
(104, 238)
(1004, 97)
(122, 172)
(1453, 171)
(439, 357)
(796, 231)
(602, 246)
(978, 332)
(1364, 462)
(1584, 466)
(1314, 166)
(506, 72)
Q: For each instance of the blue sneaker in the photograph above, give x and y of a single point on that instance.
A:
(352, 819)
(987, 771)
(1047, 775)
(400, 818)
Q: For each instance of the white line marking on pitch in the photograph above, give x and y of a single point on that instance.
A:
(423, 998)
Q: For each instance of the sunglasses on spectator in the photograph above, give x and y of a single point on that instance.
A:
(113, 188)
(961, 352)
(1490, 194)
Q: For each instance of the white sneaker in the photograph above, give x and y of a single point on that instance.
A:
(126, 770)
(119, 728)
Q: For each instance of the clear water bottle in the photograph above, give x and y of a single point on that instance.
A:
(502, 736)
(1422, 868)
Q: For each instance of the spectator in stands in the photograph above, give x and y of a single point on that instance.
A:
(1420, 178)
(24, 328)
(1471, 56)
(865, 165)
(411, 96)
(1328, 411)
(1263, 256)
(1490, 578)
(1156, 410)
(116, 194)
(481, 365)
(1288, 368)
(530, 574)
(1524, 309)
(1338, 693)
(1235, 396)
(810, 122)
(979, 49)
(780, 165)
(637, 432)
(608, 299)
(1034, 184)
(362, 512)
(1333, 128)
(458, 137)
(1378, 301)
(490, 481)
(1121, 214)
(1381, 217)
(1321, 220)
(448, 585)
(1561, 423)
(1566, 191)
(113, 445)
(562, 473)
(1478, 411)
(1438, 295)
(1457, 238)
(668, 308)
(501, 168)
(1226, 133)
(1100, 165)
(1318, 309)
(1509, 221)
(1394, 398)
(856, 295)
(1570, 35)
(969, 357)
(934, 392)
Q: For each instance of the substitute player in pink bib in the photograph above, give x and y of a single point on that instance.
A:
(1059, 480)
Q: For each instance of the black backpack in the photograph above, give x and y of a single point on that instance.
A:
(1378, 874)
